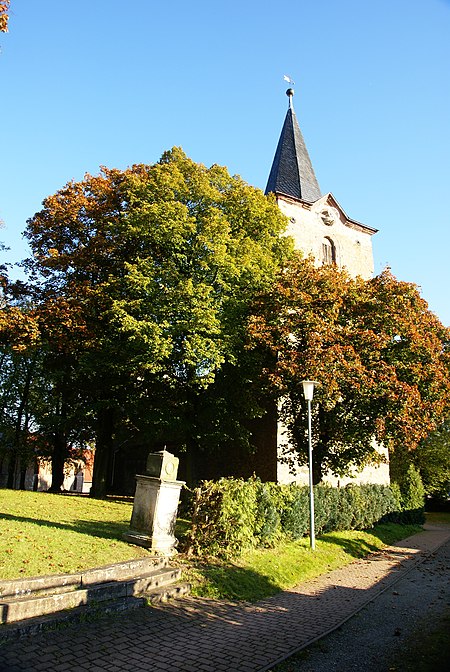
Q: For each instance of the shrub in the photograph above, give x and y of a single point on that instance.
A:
(353, 505)
(327, 510)
(231, 515)
(295, 511)
(407, 485)
(223, 517)
(268, 517)
(412, 490)
(378, 500)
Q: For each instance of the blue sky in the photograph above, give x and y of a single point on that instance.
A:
(115, 82)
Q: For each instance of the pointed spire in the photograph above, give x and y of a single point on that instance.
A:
(292, 173)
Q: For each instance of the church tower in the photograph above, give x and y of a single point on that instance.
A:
(317, 223)
(321, 229)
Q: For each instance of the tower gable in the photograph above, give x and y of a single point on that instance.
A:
(324, 224)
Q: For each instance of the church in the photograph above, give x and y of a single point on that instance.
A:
(322, 229)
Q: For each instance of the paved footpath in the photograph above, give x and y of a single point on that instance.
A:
(199, 635)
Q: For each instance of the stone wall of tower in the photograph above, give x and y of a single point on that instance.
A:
(291, 471)
(322, 230)
(311, 224)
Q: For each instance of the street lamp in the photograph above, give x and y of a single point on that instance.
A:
(308, 391)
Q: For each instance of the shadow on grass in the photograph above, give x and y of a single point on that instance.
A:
(232, 582)
(388, 533)
(93, 528)
(357, 548)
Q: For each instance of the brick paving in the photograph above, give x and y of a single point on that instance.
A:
(201, 635)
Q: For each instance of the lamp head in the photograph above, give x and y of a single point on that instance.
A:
(308, 388)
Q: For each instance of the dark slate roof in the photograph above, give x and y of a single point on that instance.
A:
(292, 173)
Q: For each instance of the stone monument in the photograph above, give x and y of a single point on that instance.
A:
(156, 504)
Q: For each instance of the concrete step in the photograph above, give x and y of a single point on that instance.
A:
(39, 585)
(94, 589)
(54, 583)
(153, 580)
(166, 593)
(123, 570)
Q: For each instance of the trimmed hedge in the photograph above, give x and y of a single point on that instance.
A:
(231, 515)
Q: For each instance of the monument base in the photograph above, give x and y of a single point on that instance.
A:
(157, 546)
(154, 515)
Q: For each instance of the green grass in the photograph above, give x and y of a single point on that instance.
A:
(42, 533)
(437, 517)
(263, 572)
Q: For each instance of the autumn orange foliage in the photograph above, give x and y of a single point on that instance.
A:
(381, 356)
(4, 15)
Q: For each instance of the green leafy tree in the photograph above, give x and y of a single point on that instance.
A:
(39, 402)
(152, 269)
(381, 356)
(17, 376)
(433, 461)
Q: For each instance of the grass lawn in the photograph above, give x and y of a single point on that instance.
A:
(437, 517)
(260, 573)
(41, 533)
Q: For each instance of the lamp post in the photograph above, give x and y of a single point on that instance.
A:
(308, 391)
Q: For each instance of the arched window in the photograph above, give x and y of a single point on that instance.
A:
(328, 252)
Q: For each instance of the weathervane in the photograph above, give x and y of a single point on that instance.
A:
(290, 91)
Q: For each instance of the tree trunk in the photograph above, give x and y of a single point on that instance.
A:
(10, 483)
(103, 453)
(317, 465)
(59, 456)
(20, 432)
(191, 466)
(23, 474)
(192, 451)
(36, 474)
